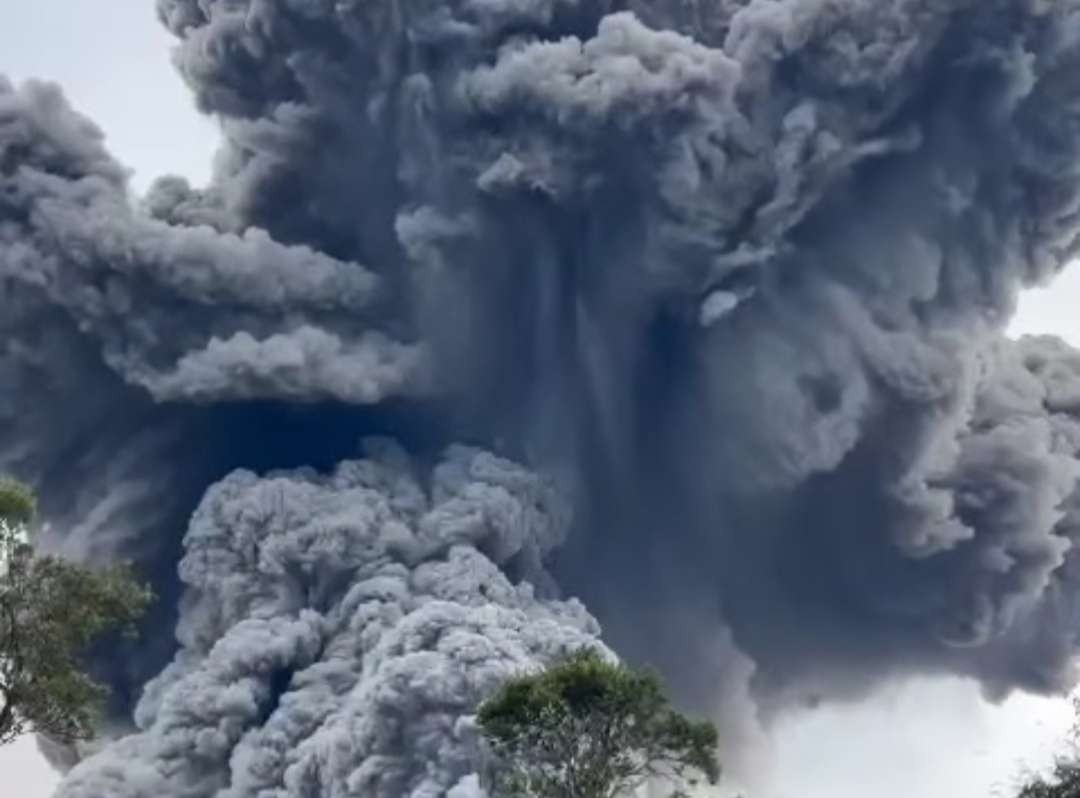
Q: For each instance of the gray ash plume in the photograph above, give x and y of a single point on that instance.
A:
(729, 277)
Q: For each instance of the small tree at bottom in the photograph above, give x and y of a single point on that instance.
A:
(50, 611)
(1064, 782)
(586, 727)
(1064, 779)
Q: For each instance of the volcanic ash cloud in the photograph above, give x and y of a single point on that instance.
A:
(337, 631)
(732, 276)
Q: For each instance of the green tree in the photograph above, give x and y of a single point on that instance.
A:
(586, 727)
(1064, 779)
(51, 610)
(1064, 782)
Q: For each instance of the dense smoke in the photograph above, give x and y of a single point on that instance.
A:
(335, 630)
(727, 278)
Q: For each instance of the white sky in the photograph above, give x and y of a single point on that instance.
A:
(112, 59)
(932, 739)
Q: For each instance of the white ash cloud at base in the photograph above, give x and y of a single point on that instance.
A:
(336, 632)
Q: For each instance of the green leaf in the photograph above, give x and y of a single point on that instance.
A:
(593, 728)
(51, 610)
(17, 503)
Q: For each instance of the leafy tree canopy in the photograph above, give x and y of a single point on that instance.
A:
(587, 727)
(1064, 780)
(50, 611)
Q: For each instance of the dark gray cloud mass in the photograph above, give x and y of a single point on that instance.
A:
(728, 277)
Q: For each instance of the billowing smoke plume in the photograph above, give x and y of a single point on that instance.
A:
(729, 277)
(335, 630)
